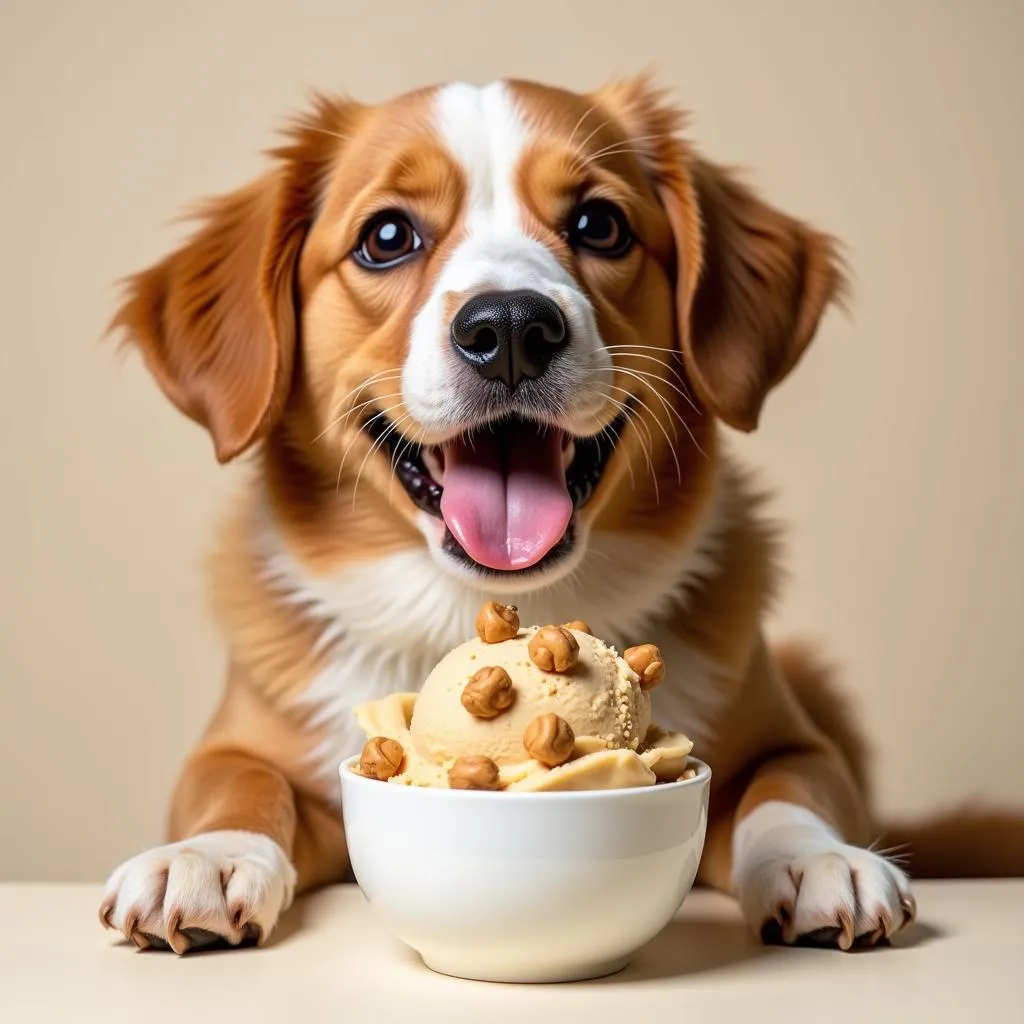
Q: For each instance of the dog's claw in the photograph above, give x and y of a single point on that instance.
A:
(106, 909)
(909, 907)
(847, 931)
(784, 913)
(176, 938)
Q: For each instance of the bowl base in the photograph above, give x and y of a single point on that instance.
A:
(522, 976)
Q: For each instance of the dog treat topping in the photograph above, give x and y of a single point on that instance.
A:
(526, 706)
(488, 693)
(553, 649)
(579, 625)
(476, 772)
(646, 662)
(497, 622)
(549, 739)
(381, 758)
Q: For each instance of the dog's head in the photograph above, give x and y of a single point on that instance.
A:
(513, 310)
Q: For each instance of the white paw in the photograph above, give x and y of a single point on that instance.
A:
(218, 886)
(794, 877)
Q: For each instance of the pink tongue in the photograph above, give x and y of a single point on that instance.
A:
(505, 499)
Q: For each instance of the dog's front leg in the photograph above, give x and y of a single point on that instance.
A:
(797, 875)
(788, 836)
(251, 824)
(230, 872)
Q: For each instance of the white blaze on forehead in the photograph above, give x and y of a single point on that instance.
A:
(487, 132)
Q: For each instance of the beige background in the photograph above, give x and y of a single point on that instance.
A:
(896, 448)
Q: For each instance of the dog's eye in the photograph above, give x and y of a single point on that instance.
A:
(600, 227)
(387, 240)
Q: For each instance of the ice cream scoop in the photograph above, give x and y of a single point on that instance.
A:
(551, 707)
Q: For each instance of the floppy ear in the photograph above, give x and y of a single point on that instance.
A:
(216, 320)
(751, 282)
(763, 283)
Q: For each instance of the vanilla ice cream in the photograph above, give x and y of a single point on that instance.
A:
(526, 708)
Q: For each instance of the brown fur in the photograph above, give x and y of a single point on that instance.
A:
(260, 331)
(813, 684)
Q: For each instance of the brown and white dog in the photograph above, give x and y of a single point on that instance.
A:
(482, 342)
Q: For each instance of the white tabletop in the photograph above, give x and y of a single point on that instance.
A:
(331, 960)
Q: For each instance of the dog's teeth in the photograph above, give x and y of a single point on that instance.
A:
(568, 454)
(433, 464)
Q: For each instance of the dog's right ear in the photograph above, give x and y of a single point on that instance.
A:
(752, 282)
(216, 320)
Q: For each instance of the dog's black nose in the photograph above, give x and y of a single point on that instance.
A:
(509, 335)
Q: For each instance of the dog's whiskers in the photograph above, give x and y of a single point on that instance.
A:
(645, 377)
(606, 430)
(661, 426)
(625, 146)
(612, 440)
(641, 352)
(631, 141)
(397, 458)
(612, 152)
(342, 136)
(400, 160)
(650, 374)
(642, 431)
(607, 433)
(580, 147)
(391, 373)
(579, 123)
(355, 437)
(340, 420)
(899, 854)
(377, 445)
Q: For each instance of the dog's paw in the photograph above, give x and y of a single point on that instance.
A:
(798, 882)
(216, 887)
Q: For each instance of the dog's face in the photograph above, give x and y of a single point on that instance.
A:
(512, 311)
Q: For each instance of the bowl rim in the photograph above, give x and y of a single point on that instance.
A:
(700, 780)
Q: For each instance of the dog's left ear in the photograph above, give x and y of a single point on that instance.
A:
(752, 282)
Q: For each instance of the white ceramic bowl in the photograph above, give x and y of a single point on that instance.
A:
(525, 887)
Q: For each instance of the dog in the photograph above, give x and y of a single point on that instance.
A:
(488, 342)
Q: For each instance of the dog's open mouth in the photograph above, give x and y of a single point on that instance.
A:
(507, 492)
